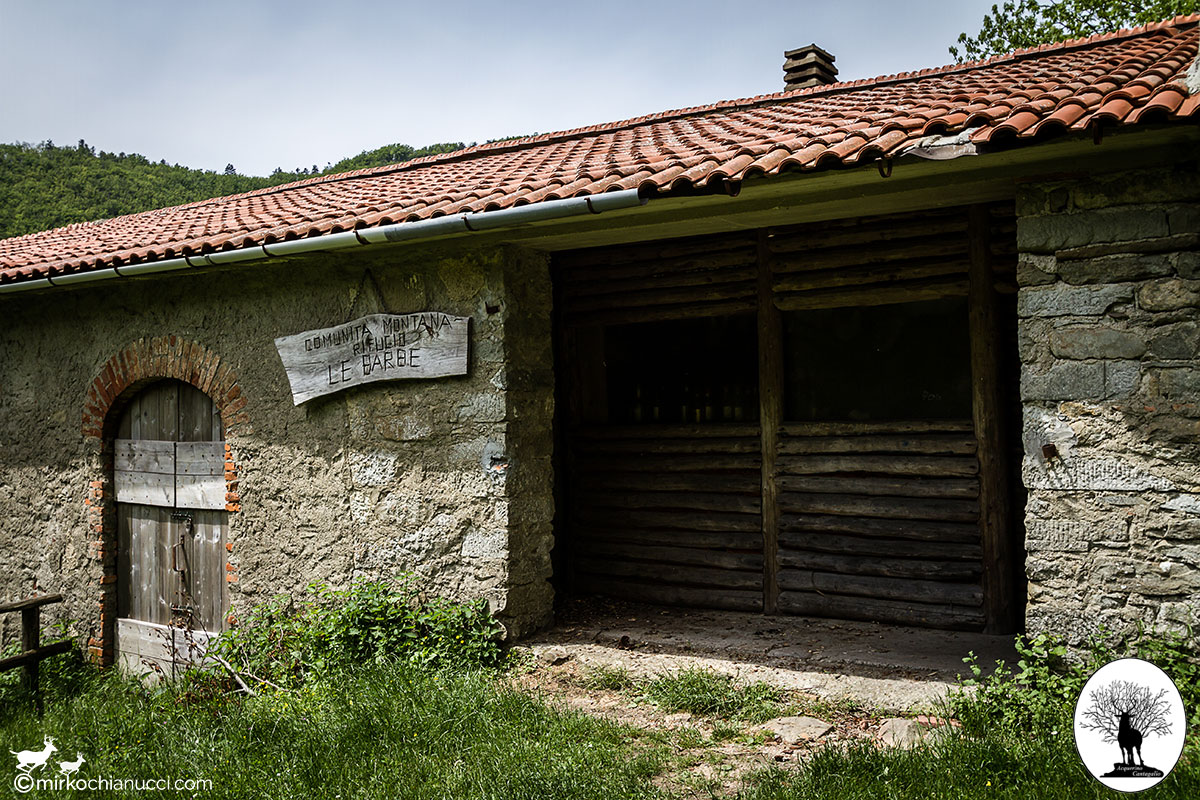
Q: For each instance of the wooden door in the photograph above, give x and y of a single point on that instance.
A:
(168, 462)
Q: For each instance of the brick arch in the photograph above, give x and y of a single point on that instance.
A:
(148, 360)
(124, 375)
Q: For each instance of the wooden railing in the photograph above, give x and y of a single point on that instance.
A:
(32, 651)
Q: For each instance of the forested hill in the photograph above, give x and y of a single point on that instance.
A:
(45, 186)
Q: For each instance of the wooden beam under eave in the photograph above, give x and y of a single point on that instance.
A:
(770, 415)
(995, 513)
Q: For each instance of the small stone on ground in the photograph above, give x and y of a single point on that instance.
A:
(554, 654)
(798, 729)
(898, 732)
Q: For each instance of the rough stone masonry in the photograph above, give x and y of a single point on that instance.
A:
(1109, 335)
(447, 479)
(452, 479)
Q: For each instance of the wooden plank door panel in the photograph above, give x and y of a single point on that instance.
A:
(144, 471)
(142, 536)
(205, 577)
(200, 475)
(169, 465)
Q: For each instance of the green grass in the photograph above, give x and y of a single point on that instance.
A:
(697, 691)
(956, 766)
(1016, 739)
(404, 731)
(711, 694)
(417, 720)
(388, 731)
(615, 679)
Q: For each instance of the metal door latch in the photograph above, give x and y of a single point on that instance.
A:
(186, 518)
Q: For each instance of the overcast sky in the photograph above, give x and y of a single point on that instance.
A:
(265, 83)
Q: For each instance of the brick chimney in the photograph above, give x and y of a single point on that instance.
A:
(808, 66)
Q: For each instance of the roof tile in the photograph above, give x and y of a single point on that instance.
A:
(1120, 78)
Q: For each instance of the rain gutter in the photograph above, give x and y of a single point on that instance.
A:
(387, 234)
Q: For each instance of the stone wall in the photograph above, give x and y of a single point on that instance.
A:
(1109, 335)
(447, 478)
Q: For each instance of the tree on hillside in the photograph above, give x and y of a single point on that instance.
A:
(1027, 23)
(391, 154)
(44, 186)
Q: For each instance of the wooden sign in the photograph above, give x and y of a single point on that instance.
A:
(378, 347)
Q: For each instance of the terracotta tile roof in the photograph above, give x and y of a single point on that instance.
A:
(1125, 78)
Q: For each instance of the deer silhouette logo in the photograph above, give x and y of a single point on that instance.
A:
(29, 760)
(1129, 739)
(71, 767)
(1127, 706)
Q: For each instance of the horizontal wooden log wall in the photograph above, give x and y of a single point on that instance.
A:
(880, 521)
(877, 522)
(900, 258)
(668, 514)
(680, 279)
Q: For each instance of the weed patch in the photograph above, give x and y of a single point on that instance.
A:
(712, 694)
(283, 642)
(613, 679)
(1037, 696)
(1016, 740)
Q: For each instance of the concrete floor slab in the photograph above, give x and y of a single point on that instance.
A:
(884, 666)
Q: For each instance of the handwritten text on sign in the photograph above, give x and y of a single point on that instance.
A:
(379, 347)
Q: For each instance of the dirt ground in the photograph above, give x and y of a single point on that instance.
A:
(860, 680)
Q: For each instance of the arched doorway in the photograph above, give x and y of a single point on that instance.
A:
(168, 470)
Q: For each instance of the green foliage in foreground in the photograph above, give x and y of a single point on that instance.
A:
(1016, 739)
(1017, 24)
(376, 695)
(372, 692)
(1045, 683)
(1031, 766)
(286, 643)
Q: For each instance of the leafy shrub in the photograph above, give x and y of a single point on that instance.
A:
(1039, 695)
(1033, 697)
(371, 622)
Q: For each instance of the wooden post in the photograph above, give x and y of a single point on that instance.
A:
(988, 411)
(32, 651)
(770, 415)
